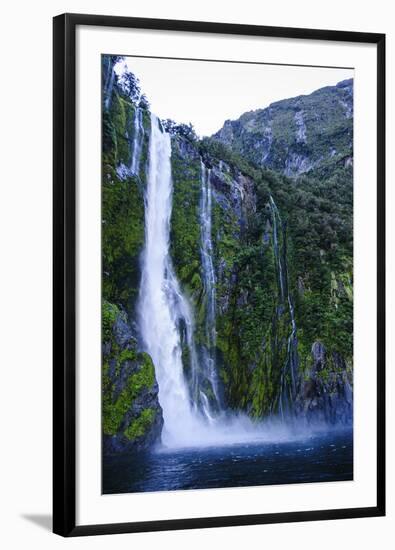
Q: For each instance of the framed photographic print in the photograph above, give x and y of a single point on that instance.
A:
(218, 274)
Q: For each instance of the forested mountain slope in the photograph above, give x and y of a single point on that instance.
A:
(260, 239)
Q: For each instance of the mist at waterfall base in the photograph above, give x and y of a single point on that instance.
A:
(202, 444)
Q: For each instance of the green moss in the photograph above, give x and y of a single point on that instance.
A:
(127, 355)
(122, 240)
(114, 411)
(122, 203)
(185, 223)
(146, 121)
(140, 425)
(122, 114)
(124, 355)
(324, 375)
(109, 315)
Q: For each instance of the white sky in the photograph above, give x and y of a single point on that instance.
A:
(208, 93)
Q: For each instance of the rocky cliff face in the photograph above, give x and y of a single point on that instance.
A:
(132, 416)
(325, 392)
(266, 296)
(295, 136)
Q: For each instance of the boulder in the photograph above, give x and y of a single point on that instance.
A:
(132, 415)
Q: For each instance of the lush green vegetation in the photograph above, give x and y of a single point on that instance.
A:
(253, 319)
(122, 198)
(253, 325)
(185, 223)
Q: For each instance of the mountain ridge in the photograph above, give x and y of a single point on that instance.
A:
(296, 135)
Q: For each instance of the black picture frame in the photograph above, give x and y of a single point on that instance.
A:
(64, 273)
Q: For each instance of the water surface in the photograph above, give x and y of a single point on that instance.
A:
(316, 458)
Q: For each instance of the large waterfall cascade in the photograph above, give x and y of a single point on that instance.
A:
(287, 391)
(161, 303)
(163, 309)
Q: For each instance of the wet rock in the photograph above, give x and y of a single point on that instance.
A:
(132, 415)
(301, 285)
(123, 334)
(325, 393)
(318, 353)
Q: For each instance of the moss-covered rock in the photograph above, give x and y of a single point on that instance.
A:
(122, 199)
(326, 391)
(131, 414)
(185, 222)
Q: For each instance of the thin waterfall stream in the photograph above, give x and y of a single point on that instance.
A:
(137, 141)
(108, 87)
(287, 390)
(209, 282)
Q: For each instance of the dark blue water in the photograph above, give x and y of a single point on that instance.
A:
(318, 458)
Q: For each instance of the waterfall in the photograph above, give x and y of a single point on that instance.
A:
(209, 281)
(162, 308)
(278, 259)
(108, 86)
(137, 141)
(166, 322)
(287, 390)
